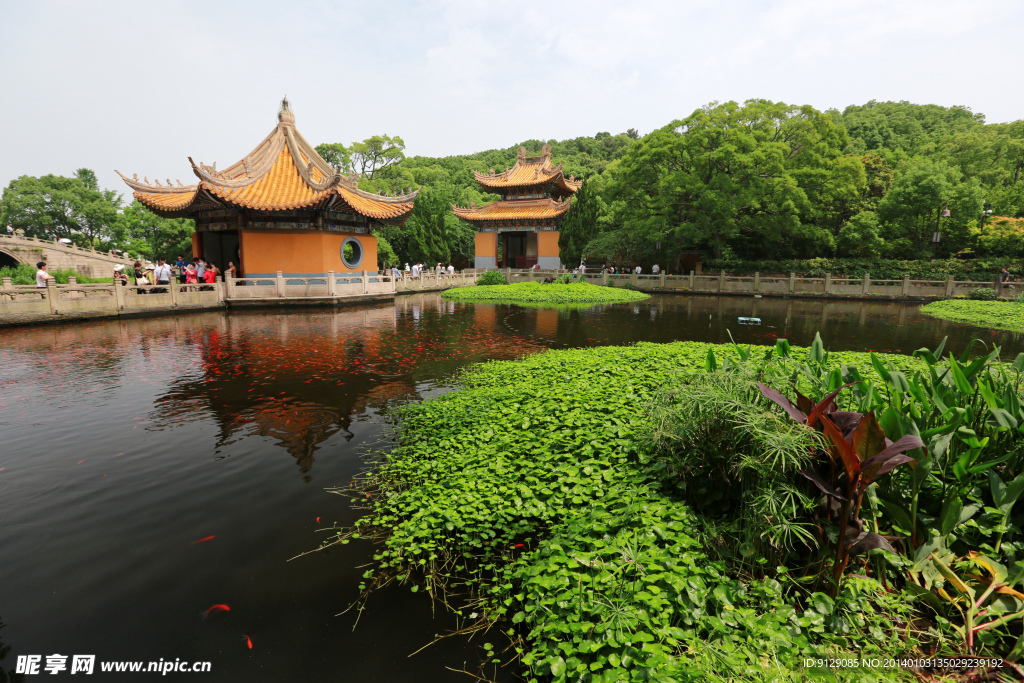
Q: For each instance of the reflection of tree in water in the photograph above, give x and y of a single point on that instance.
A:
(300, 379)
(5, 650)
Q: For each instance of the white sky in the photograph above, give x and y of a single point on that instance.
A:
(139, 86)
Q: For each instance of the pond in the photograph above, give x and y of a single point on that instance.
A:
(153, 468)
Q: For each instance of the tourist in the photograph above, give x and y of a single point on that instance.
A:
(407, 266)
(140, 276)
(19, 232)
(232, 270)
(163, 273)
(65, 241)
(583, 268)
(451, 270)
(438, 270)
(209, 275)
(655, 269)
(120, 277)
(200, 268)
(1005, 275)
(10, 230)
(191, 276)
(41, 275)
(180, 265)
(638, 270)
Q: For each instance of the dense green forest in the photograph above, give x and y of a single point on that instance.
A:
(742, 182)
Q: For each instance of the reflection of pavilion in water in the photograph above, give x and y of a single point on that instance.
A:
(299, 382)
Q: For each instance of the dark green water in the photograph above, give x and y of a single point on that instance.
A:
(124, 443)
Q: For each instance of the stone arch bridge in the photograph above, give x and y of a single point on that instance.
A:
(15, 250)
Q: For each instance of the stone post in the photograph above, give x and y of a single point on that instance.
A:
(508, 275)
(604, 278)
(867, 283)
(828, 283)
(997, 285)
(52, 294)
(634, 279)
(792, 283)
(5, 283)
(662, 279)
(72, 280)
(173, 289)
(279, 281)
(721, 281)
(229, 285)
(757, 282)
(906, 285)
(949, 285)
(693, 279)
(119, 296)
(366, 283)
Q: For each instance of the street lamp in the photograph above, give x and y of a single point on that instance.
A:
(985, 211)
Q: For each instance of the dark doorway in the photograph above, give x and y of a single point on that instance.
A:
(8, 261)
(221, 247)
(514, 249)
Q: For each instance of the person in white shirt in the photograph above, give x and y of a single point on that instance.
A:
(407, 267)
(41, 275)
(638, 270)
(655, 269)
(200, 268)
(451, 270)
(163, 273)
(583, 269)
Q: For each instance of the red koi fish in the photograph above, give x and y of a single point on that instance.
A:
(318, 520)
(248, 641)
(204, 540)
(216, 608)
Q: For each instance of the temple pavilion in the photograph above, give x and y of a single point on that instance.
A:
(535, 197)
(280, 208)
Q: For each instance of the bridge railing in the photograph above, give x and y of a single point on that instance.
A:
(55, 243)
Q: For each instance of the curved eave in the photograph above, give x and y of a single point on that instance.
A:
(167, 205)
(514, 211)
(390, 210)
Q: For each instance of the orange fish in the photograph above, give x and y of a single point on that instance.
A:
(248, 641)
(80, 461)
(203, 540)
(318, 519)
(216, 608)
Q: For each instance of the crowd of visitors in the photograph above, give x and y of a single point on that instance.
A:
(417, 269)
(197, 272)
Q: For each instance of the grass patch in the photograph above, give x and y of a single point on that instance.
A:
(531, 503)
(536, 292)
(1000, 315)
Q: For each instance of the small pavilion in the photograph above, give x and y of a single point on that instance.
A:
(280, 208)
(535, 197)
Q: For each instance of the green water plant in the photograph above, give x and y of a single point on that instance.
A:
(536, 292)
(491, 278)
(1000, 315)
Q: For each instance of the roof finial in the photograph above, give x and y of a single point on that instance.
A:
(285, 115)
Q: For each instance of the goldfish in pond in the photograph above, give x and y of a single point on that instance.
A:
(216, 608)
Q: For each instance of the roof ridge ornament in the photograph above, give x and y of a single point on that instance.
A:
(285, 114)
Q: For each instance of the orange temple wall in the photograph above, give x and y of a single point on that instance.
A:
(301, 252)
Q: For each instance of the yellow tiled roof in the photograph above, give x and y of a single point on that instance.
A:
(279, 188)
(514, 210)
(283, 172)
(166, 201)
(529, 171)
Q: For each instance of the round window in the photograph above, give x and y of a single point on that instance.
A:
(351, 252)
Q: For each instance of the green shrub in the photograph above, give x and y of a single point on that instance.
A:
(491, 277)
(982, 294)
(978, 270)
(25, 274)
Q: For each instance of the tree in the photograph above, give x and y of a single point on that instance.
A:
(140, 231)
(376, 153)
(580, 225)
(385, 254)
(633, 134)
(55, 206)
(337, 155)
(733, 173)
(912, 210)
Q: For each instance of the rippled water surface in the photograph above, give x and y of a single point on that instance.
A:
(124, 443)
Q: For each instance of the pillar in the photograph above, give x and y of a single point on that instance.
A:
(692, 279)
(366, 283)
(792, 283)
(828, 283)
(332, 284)
(949, 285)
(51, 295)
(906, 285)
(757, 282)
(279, 281)
(867, 283)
